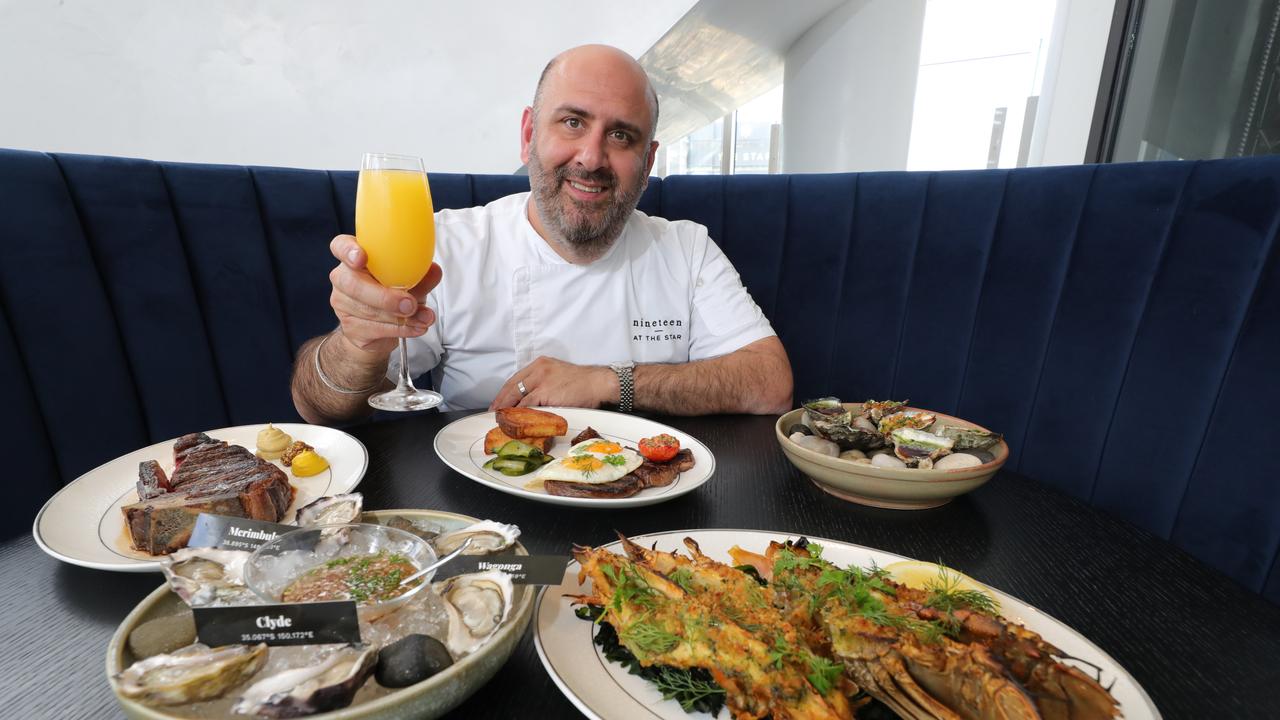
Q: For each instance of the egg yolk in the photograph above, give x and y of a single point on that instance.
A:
(584, 463)
(604, 448)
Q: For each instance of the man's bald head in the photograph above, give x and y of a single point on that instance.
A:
(589, 56)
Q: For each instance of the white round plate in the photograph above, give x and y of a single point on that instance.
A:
(604, 689)
(460, 444)
(83, 524)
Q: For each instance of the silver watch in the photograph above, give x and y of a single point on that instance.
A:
(626, 384)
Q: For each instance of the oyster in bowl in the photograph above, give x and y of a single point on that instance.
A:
(919, 459)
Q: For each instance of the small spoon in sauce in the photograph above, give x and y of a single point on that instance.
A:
(465, 544)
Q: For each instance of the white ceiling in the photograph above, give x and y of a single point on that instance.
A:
(302, 84)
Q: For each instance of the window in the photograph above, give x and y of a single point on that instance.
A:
(748, 140)
(981, 69)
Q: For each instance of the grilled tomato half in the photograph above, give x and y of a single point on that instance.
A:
(659, 448)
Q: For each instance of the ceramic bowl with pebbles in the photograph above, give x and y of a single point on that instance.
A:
(888, 454)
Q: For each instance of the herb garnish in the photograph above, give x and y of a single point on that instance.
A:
(649, 638)
(682, 577)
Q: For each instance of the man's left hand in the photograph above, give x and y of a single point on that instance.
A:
(548, 381)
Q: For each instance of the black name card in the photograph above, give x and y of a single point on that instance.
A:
(233, 533)
(294, 624)
(523, 569)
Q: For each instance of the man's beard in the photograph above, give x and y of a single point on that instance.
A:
(586, 238)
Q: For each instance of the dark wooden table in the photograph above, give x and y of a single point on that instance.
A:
(1199, 644)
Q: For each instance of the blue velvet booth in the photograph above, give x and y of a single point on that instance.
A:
(1120, 323)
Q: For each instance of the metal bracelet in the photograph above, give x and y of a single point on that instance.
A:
(333, 385)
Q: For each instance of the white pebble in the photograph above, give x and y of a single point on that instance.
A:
(956, 461)
(852, 455)
(885, 460)
(816, 444)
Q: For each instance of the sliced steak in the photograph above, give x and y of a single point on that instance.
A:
(152, 482)
(649, 474)
(588, 434)
(212, 477)
(625, 486)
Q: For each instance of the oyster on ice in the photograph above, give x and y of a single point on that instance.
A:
(194, 673)
(207, 576)
(476, 605)
(328, 685)
(486, 536)
(918, 448)
(968, 438)
(331, 510)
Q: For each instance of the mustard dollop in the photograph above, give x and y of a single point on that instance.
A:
(308, 463)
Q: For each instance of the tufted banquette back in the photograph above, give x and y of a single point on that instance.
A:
(1120, 323)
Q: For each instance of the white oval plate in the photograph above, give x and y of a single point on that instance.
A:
(83, 525)
(603, 689)
(460, 444)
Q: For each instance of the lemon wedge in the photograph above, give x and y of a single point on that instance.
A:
(920, 575)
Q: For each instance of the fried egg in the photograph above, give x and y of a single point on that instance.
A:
(591, 461)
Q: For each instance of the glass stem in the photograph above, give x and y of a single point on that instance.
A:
(405, 385)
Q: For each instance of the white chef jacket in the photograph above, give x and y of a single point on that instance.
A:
(664, 293)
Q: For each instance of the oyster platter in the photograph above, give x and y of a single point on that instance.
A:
(424, 645)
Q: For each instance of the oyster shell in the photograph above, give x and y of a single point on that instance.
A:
(328, 685)
(194, 673)
(486, 536)
(831, 420)
(968, 438)
(207, 576)
(476, 604)
(918, 448)
(878, 409)
(915, 419)
(331, 510)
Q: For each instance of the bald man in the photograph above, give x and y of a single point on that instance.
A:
(565, 295)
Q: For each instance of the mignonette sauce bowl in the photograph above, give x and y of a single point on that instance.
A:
(278, 563)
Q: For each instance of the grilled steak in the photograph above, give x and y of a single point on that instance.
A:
(588, 434)
(661, 474)
(649, 474)
(210, 476)
(152, 482)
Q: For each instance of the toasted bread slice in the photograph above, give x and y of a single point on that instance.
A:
(519, 422)
(495, 439)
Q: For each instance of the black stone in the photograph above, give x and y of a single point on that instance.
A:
(800, 428)
(411, 659)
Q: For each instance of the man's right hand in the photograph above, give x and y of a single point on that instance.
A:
(372, 317)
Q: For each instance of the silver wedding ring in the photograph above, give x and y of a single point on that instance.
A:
(520, 386)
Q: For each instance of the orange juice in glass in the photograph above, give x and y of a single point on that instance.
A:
(395, 226)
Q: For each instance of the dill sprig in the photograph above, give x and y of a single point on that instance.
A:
(691, 692)
(822, 673)
(615, 460)
(682, 577)
(629, 587)
(648, 638)
(945, 594)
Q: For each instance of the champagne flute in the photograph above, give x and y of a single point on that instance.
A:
(395, 226)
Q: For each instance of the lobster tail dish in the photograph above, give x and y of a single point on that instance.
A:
(787, 634)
